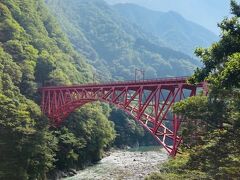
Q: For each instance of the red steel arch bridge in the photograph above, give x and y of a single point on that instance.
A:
(149, 102)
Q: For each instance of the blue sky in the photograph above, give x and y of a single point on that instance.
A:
(204, 12)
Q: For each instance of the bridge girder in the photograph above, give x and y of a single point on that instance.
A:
(149, 102)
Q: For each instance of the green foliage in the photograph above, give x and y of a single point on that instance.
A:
(129, 132)
(69, 145)
(10, 73)
(229, 77)
(222, 56)
(91, 134)
(27, 150)
(45, 65)
(34, 51)
(193, 107)
(217, 153)
(176, 169)
(201, 108)
(219, 157)
(40, 40)
(190, 175)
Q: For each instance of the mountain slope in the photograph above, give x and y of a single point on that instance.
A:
(170, 27)
(33, 51)
(114, 45)
(204, 12)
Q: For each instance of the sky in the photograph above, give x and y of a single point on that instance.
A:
(204, 12)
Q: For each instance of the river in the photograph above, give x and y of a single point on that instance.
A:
(124, 164)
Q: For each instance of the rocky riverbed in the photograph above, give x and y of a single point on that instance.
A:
(124, 164)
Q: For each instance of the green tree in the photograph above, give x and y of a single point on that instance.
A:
(32, 50)
(218, 155)
(83, 137)
(27, 150)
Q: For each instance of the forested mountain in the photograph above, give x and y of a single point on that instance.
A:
(33, 51)
(170, 27)
(114, 45)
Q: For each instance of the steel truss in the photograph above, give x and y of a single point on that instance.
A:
(149, 102)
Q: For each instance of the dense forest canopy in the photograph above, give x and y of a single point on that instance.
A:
(34, 51)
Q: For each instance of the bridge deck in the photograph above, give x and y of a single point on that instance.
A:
(149, 82)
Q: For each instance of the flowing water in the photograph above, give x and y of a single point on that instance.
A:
(124, 164)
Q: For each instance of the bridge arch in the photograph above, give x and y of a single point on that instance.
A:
(148, 102)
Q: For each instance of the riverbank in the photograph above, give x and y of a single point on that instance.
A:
(124, 164)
